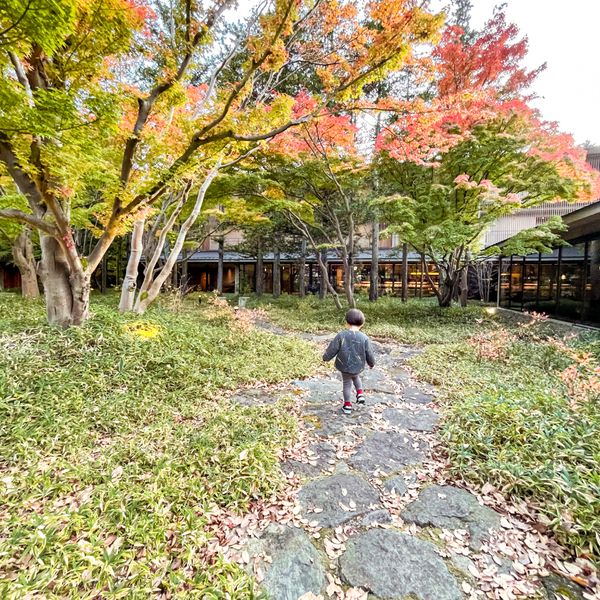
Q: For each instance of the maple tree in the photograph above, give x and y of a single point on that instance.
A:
(473, 152)
(92, 95)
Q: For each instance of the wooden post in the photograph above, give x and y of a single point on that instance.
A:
(220, 266)
(276, 273)
(302, 267)
(404, 295)
(259, 274)
(374, 279)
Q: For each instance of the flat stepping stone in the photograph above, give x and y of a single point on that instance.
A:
(396, 566)
(296, 566)
(396, 485)
(320, 454)
(558, 587)
(339, 498)
(449, 507)
(388, 451)
(414, 395)
(418, 420)
(377, 381)
(376, 517)
(328, 419)
(373, 398)
(400, 375)
(320, 390)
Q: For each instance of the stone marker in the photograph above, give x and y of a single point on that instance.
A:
(341, 497)
(449, 507)
(396, 566)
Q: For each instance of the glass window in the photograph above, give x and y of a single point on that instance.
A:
(572, 282)
(530, 285)
(516, 283)
(505, 282)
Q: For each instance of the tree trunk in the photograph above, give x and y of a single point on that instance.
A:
(144, 300)
(67, 292)
(133, 263)
(374, 279)
(260, 270)
(22, 251)
(301, 269)
(220, 266)
(404, 272)
(184, 271)
(276, 273)
(349, 281)
(323, 284)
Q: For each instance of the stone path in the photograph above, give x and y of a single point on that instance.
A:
(371, 519)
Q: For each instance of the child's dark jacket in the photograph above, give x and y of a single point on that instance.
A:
(352, 351)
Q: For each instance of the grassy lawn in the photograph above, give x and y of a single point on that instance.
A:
(522, 406)
(116, 442)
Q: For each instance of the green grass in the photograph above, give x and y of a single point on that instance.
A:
(116, 442)
(413, 322)
(507, 422)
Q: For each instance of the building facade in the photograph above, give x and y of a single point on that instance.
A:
(240, 272)
(565, 283)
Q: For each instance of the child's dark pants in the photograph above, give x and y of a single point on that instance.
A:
(348, 379)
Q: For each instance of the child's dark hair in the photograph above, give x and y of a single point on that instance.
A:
(355, 317)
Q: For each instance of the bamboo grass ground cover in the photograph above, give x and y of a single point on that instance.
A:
(116, 442)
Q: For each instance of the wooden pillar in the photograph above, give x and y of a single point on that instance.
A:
(374, 279)
(259, 274)
(276, 273)
(302, 267)
(237, 279)
(404, 295)
(220, 266)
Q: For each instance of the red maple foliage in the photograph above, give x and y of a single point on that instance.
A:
(489, 60)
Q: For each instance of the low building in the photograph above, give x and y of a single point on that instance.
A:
(565, 283)
(239, 272)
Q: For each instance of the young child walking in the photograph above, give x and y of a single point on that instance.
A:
(352, 351)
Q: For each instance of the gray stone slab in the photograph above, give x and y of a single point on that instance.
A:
(320, 390)
(377, 381)
(417, 420)
(561, 588)
(376, 517)
(414, 395)
(373, 398)
(396, 485)
(449, 507)
(296, 567)
(329, 420)
(321, 454)
(388, 451)
(329, 494)
(396, 566)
